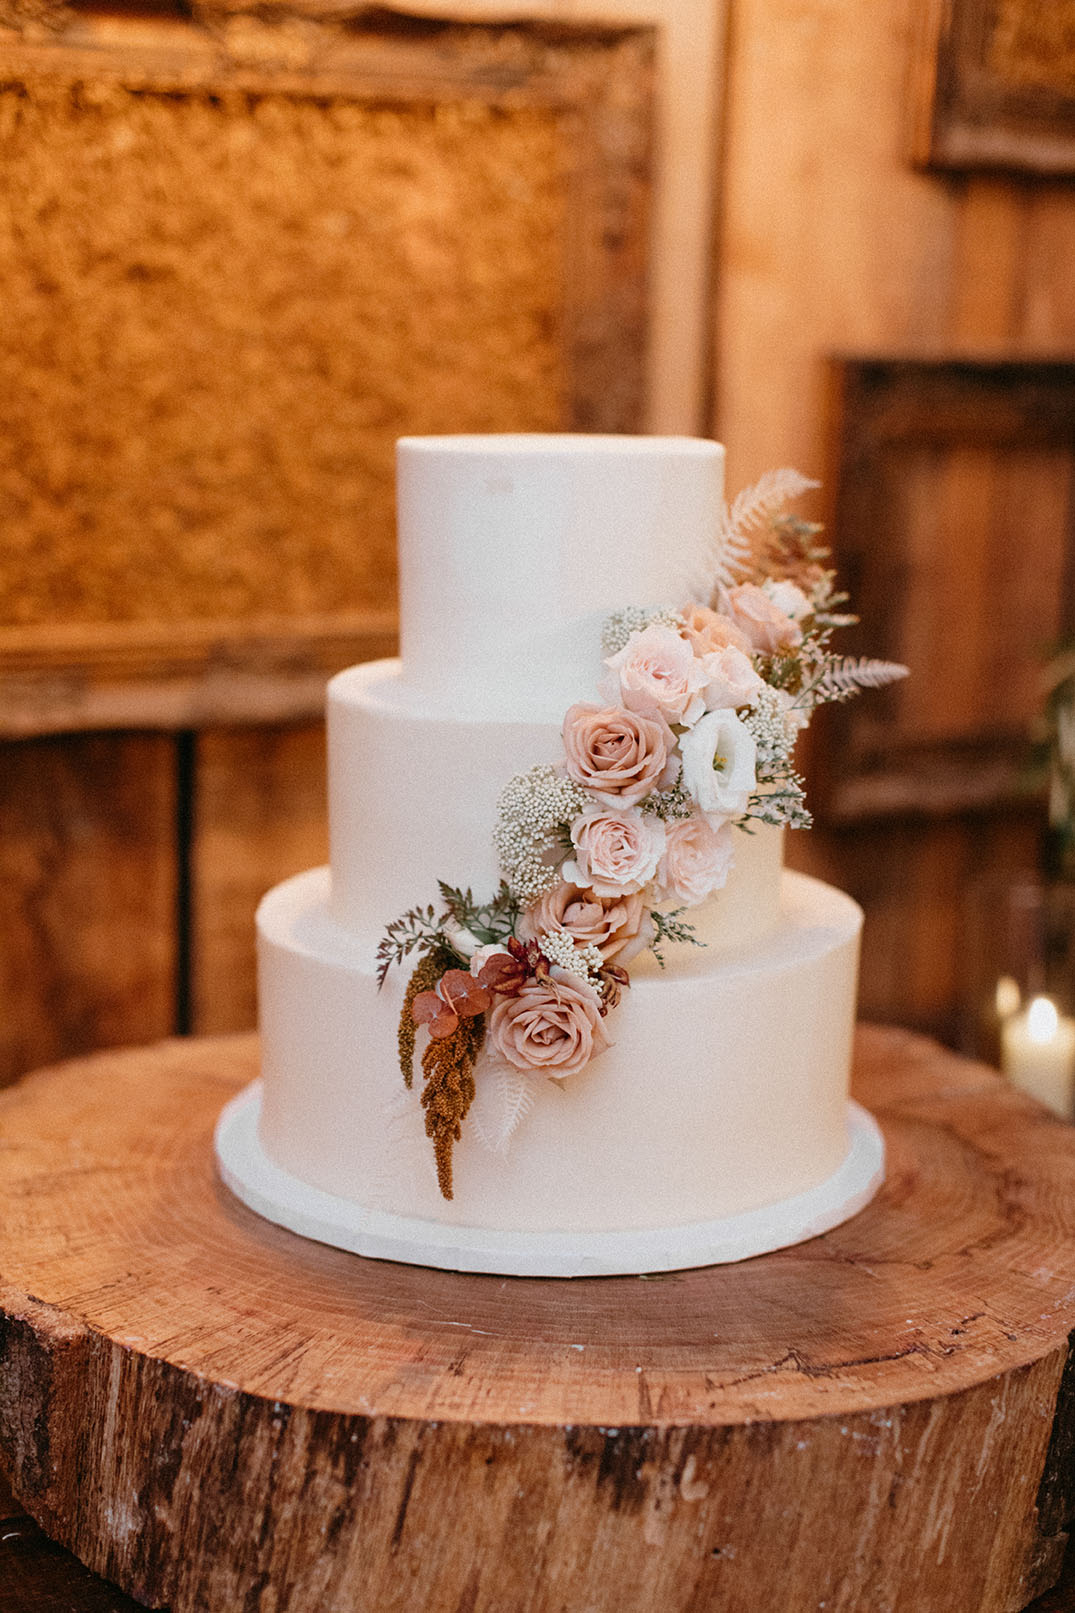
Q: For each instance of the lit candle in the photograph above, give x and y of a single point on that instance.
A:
(1038, 1055)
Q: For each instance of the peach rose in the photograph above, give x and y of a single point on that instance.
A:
(610, 923)
(706, 630)
(768, 628)
(697, 860)
(553, 1027)
(616, 853)
(656, 674)
(617, 754)
(732, 678)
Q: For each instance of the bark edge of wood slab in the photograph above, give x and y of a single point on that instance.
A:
(217, 1414)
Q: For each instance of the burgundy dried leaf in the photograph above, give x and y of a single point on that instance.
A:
(504, 974)
(466, 996)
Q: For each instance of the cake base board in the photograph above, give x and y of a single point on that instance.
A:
(214, 1413)
(272, 1192)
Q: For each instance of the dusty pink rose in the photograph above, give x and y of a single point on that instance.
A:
(616, 852)
(732, 678)
(697, 860)
(553, 1027)
(657, 675)
(768, 628)
(610, 923)
(619, 755)
(706, 630)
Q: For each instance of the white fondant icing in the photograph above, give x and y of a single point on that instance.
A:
(725, 1089)
(512, 549)
(272, 1192)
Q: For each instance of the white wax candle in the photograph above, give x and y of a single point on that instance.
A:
(1038, 1055)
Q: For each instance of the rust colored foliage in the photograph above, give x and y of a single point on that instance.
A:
(448, 1063)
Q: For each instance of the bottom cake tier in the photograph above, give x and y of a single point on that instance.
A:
(717, 1126)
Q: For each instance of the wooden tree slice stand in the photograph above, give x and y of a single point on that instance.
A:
(221, 1416)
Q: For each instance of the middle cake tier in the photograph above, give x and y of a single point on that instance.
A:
(413, 790)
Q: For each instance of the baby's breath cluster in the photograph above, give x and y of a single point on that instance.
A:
(771, 723)
(782, 798)
(586, 962)
(531, 837)
(632, 619)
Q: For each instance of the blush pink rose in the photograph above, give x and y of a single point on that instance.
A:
(553, 1027)
(618, 755)
(706, 630)
(768, 628)
(657, 675)
(697, 860)
(616, 853)
(613, 924)
(732, 678)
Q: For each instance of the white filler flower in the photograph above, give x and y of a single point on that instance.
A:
(719, 765)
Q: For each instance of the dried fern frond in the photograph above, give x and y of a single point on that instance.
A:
(845, 675)
(505, 1099)
(752, 509)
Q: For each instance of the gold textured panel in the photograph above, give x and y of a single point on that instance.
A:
(238, 263)
(218, 318)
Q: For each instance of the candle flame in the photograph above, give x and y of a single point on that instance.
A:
(1042, 1020)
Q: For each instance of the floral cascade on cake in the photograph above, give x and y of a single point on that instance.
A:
(605, 851)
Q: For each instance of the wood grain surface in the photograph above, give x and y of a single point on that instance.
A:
(217, 1414)
(87, 895)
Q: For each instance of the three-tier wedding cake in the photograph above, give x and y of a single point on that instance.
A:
(585, 681)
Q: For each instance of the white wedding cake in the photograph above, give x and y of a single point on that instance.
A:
(699, 1113)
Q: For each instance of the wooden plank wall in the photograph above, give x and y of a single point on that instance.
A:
(830, 241)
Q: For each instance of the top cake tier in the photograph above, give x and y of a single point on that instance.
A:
(513, 549)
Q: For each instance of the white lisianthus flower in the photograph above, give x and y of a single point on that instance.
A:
(719, 765)
(788, 597)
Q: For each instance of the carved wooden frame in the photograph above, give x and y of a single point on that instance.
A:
(880, 407)
(971, 109)
(183, 674)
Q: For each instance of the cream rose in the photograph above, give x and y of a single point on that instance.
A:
(553, 1027)
(788, 597)
(618, 755)
(719, 765)
(613, 924)
(706, 630)
(768, 628)
(732, 678)
(616, 853)
(697, 860)
(656, 674)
